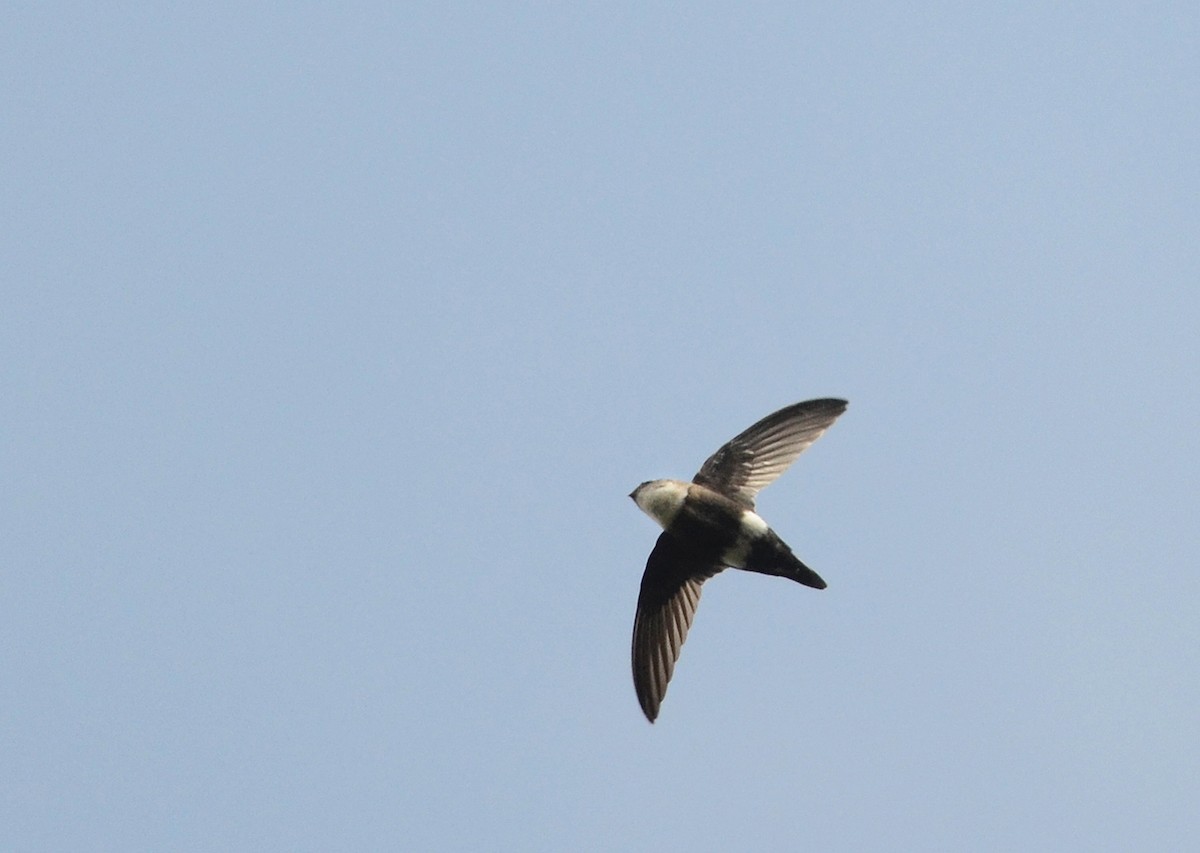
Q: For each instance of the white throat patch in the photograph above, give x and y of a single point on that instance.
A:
(661, 499)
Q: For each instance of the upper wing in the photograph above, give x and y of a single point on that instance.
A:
(665, 609)
(753, 459)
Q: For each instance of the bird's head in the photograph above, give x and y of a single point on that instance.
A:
(660, 499)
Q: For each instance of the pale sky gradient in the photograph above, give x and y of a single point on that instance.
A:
(335, 337)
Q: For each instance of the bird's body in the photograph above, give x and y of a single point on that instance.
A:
(710, 524)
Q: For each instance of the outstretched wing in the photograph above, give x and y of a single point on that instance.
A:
(665, 609)
(752, 460)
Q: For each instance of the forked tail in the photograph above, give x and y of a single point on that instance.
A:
(771, 556)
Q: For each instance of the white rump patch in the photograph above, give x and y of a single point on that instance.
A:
(753, 524)
(753, 528)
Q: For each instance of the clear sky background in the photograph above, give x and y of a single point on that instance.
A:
(334, 337)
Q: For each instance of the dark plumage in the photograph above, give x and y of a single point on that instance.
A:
(710, 524)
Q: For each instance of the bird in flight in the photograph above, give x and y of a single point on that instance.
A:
(709, 524)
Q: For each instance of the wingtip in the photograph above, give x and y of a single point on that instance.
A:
(649, 710)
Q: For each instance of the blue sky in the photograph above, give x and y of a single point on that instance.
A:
(335, 339)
